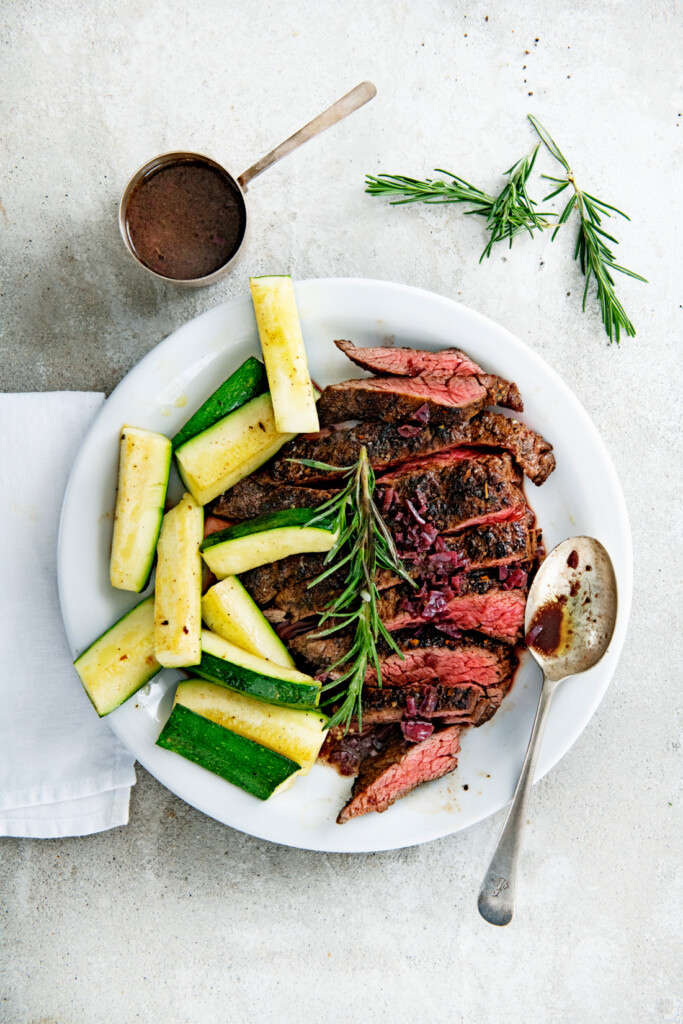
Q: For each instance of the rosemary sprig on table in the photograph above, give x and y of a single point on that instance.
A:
(513, 211)
(595, 257)
(363, 545)
(507, 214)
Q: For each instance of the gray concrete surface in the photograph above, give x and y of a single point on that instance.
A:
(174, 917)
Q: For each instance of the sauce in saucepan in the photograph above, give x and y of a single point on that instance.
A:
(185, 220)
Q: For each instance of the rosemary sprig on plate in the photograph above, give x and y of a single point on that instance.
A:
(363, 546)
(594, 255)
(507, 214)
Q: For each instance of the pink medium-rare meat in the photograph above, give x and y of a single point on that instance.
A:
(399, 399)
(430, 657)
(445, 660)
(411, 362)
(496, 613)
(398, 769)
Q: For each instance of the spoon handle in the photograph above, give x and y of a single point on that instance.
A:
(497, 894)
(342, 108)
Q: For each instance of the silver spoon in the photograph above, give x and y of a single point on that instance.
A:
(570, 615)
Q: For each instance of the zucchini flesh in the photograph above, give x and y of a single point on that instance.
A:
(284, 354)
(144, 466)
(227, 665)
(231, 613)
(120, 661)
(178, 586)
(256, 769)
(247, 382)
(265, 539)
(298, 735)
(231, 449)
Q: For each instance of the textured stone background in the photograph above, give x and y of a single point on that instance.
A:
(175, 917)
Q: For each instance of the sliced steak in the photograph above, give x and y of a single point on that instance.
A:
(387, 447)
(259, 494)
(531, 451)
(453, 490)
(411, 362)
(468, 704)
(399, 768)
(301, 599)
(435, 657)
(264, 582)
(345, 750)
(429, 657)
(481, 547)
(397, 399)
(496, 613)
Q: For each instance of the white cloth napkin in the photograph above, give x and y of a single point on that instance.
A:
(63, 772)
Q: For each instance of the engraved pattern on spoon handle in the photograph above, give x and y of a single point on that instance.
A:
(497, 894)
(339, 110)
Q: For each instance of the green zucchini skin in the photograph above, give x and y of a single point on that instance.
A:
(247, 382)
(265, 688)
(111, 680)
(256, 769)
(261, 524)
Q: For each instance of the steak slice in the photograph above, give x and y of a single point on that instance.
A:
(468, 704)
(386, 447)
(530, 450)
(411, 362)
(266, 581)
(398, 769)
(452, 490)
(258, 494)
(397, 399)
(429, 657)
(434, 657)
(300, 600)
(496, 613)
(481, 547)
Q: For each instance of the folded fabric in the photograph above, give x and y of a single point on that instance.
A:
(63, 772)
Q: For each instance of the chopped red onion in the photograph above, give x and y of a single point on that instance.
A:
(430, 696)
(445, 627)
(421, 414)
(388, 499)
(317, 434)
(405, 430)
(415, 731)
(533, 634)
(287, 630)
(517, 578)
(416, 515)
(411, 706)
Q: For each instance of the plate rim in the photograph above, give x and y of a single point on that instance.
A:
(371, 284)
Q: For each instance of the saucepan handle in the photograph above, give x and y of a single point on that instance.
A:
(339, 110)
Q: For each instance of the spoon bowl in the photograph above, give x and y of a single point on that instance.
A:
(573, 601)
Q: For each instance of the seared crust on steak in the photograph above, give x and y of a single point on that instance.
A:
(386, 447)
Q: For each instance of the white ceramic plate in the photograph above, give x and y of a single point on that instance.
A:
(582, 496)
